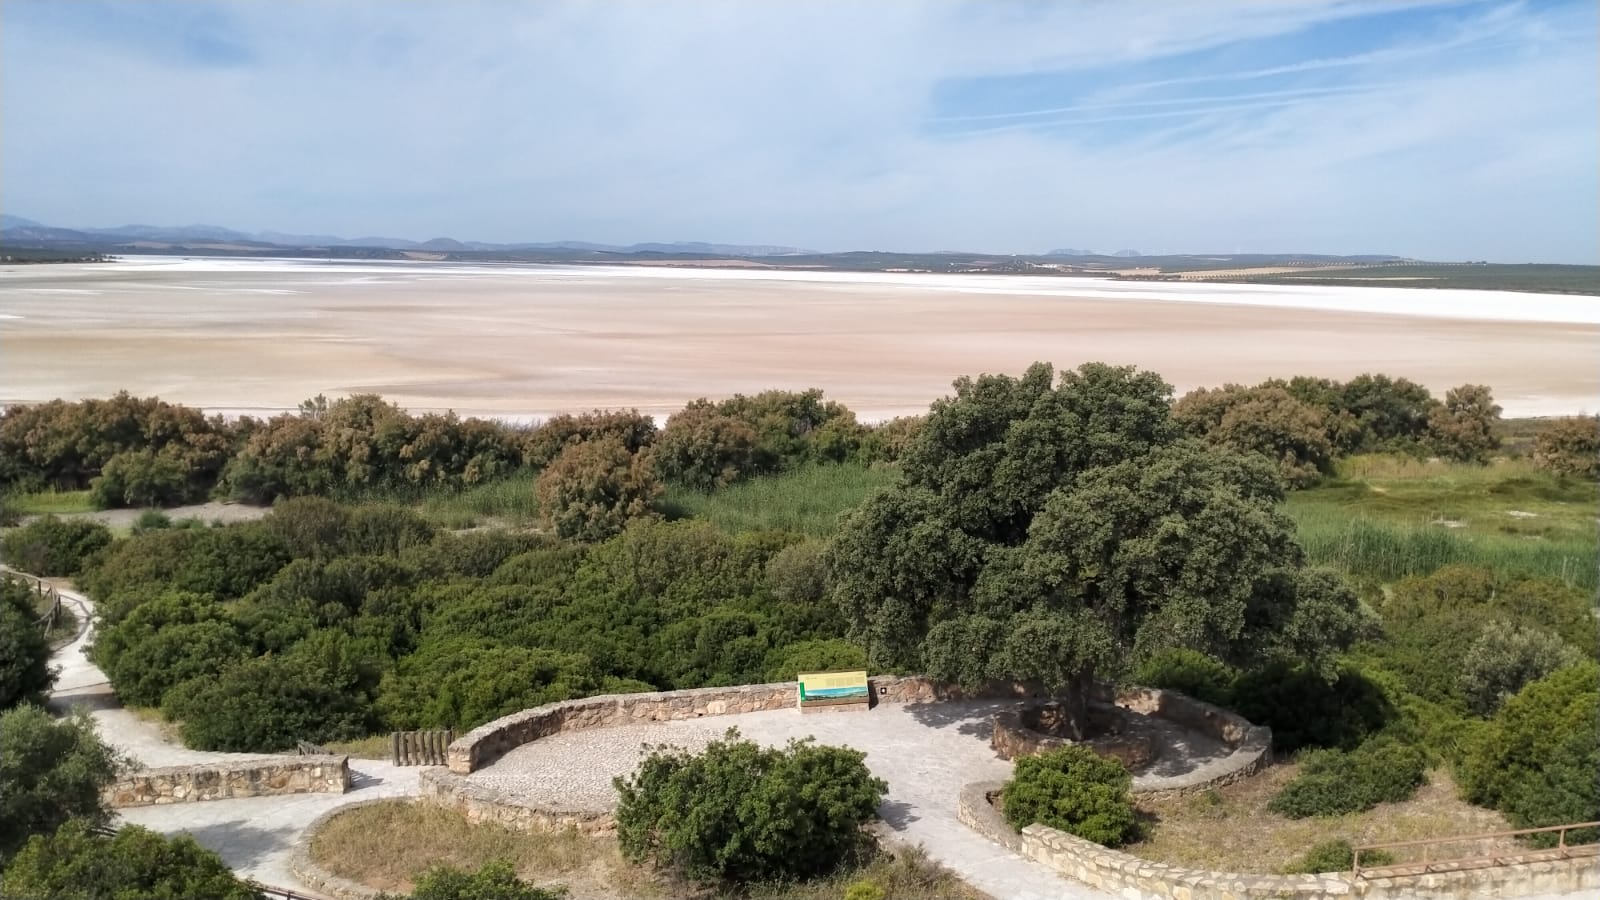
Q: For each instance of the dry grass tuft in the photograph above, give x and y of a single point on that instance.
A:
(1230, 829)
(387, 845)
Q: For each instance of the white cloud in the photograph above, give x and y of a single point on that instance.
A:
(807, 124)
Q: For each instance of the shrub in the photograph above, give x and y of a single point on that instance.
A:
(740, 812)
(494, 881)
(1304, 709)
(1569, 447)
(1333, 782)
(1075, 790)
(151, 520)
(1507, 657)
(165, 642)
(592, 489)
(51, 770)
(134, 864)
(51, 546)
(142, 478)
(1188, 672)
(1462, 428)
(461, 683)
(269, 703)
(704, 449)
(1536, 760)
(1335, 856)
(25, 673)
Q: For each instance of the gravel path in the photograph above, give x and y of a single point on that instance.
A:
(205, 512)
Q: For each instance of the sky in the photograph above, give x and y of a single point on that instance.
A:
(1437, 130)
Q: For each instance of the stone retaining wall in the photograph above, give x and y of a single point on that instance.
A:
(1013, 736)
(1252, 744)
(487, 743)
(230, 780)
(485, 804)
(1131, 878)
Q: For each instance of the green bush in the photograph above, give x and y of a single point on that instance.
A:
(1304, 709)
(1188, 672)
(165, 642)
(740, 812)
(1075, 790)
(134, 864)
(313, 693)
(50, 546)
(1335, 856)
(25, 673)
(494, 881)
(137, 478)
(51, 770)
(151, 520)
(1334, 782)
(1536, 761)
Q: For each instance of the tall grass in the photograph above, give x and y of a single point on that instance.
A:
(49, 503)
(1372, 548)
(511, 500)
(807, 500)
(1388, 517)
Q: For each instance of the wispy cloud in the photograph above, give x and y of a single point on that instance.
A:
(1451, 130)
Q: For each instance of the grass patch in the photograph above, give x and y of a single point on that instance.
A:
(377, 746)
(1386, 517)
(52, 503)
(511, 500)
(387, 845)
(807, 500)
(1230, 829)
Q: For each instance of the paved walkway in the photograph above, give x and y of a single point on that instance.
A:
(924, 752)
(255, 836)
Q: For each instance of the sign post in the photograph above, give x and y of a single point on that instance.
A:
(833, 690)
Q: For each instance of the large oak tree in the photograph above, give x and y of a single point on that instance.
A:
(1048, 532)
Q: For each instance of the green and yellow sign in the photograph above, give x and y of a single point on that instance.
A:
(833, 688)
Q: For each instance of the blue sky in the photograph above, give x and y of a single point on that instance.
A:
(1444, 130)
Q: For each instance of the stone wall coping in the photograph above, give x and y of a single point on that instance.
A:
(439, 783)
(226, 766)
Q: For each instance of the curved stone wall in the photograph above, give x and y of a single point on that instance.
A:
(1017, 733)
(315, 876)
(487, 743)
(229, 780)
(1131, 878)
(484, 804)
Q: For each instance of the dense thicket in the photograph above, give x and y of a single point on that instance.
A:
(321, 622)
(25, 672)
(50, 546)
(134, 863)
(1301, 424)
(51, 771)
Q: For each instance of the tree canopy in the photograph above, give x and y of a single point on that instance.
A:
(1043, 532)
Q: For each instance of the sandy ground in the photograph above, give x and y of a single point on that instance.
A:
(529, 341)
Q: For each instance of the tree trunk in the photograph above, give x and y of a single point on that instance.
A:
(1075, 705)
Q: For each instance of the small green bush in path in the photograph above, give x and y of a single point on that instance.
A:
(1332, 782)
(1335, 856)
(739, 812)
(1075, 790)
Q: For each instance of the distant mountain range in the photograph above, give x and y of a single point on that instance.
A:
(16, 230)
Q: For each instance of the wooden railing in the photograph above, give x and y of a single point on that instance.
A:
(1560, 851)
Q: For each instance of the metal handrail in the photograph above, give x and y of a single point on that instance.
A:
(1560, 848)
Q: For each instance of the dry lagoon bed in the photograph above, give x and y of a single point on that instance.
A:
(523, 341)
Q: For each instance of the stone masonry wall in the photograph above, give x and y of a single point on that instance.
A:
(1131, 878)
(484, 804)
(229, 780)
(487, 743)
